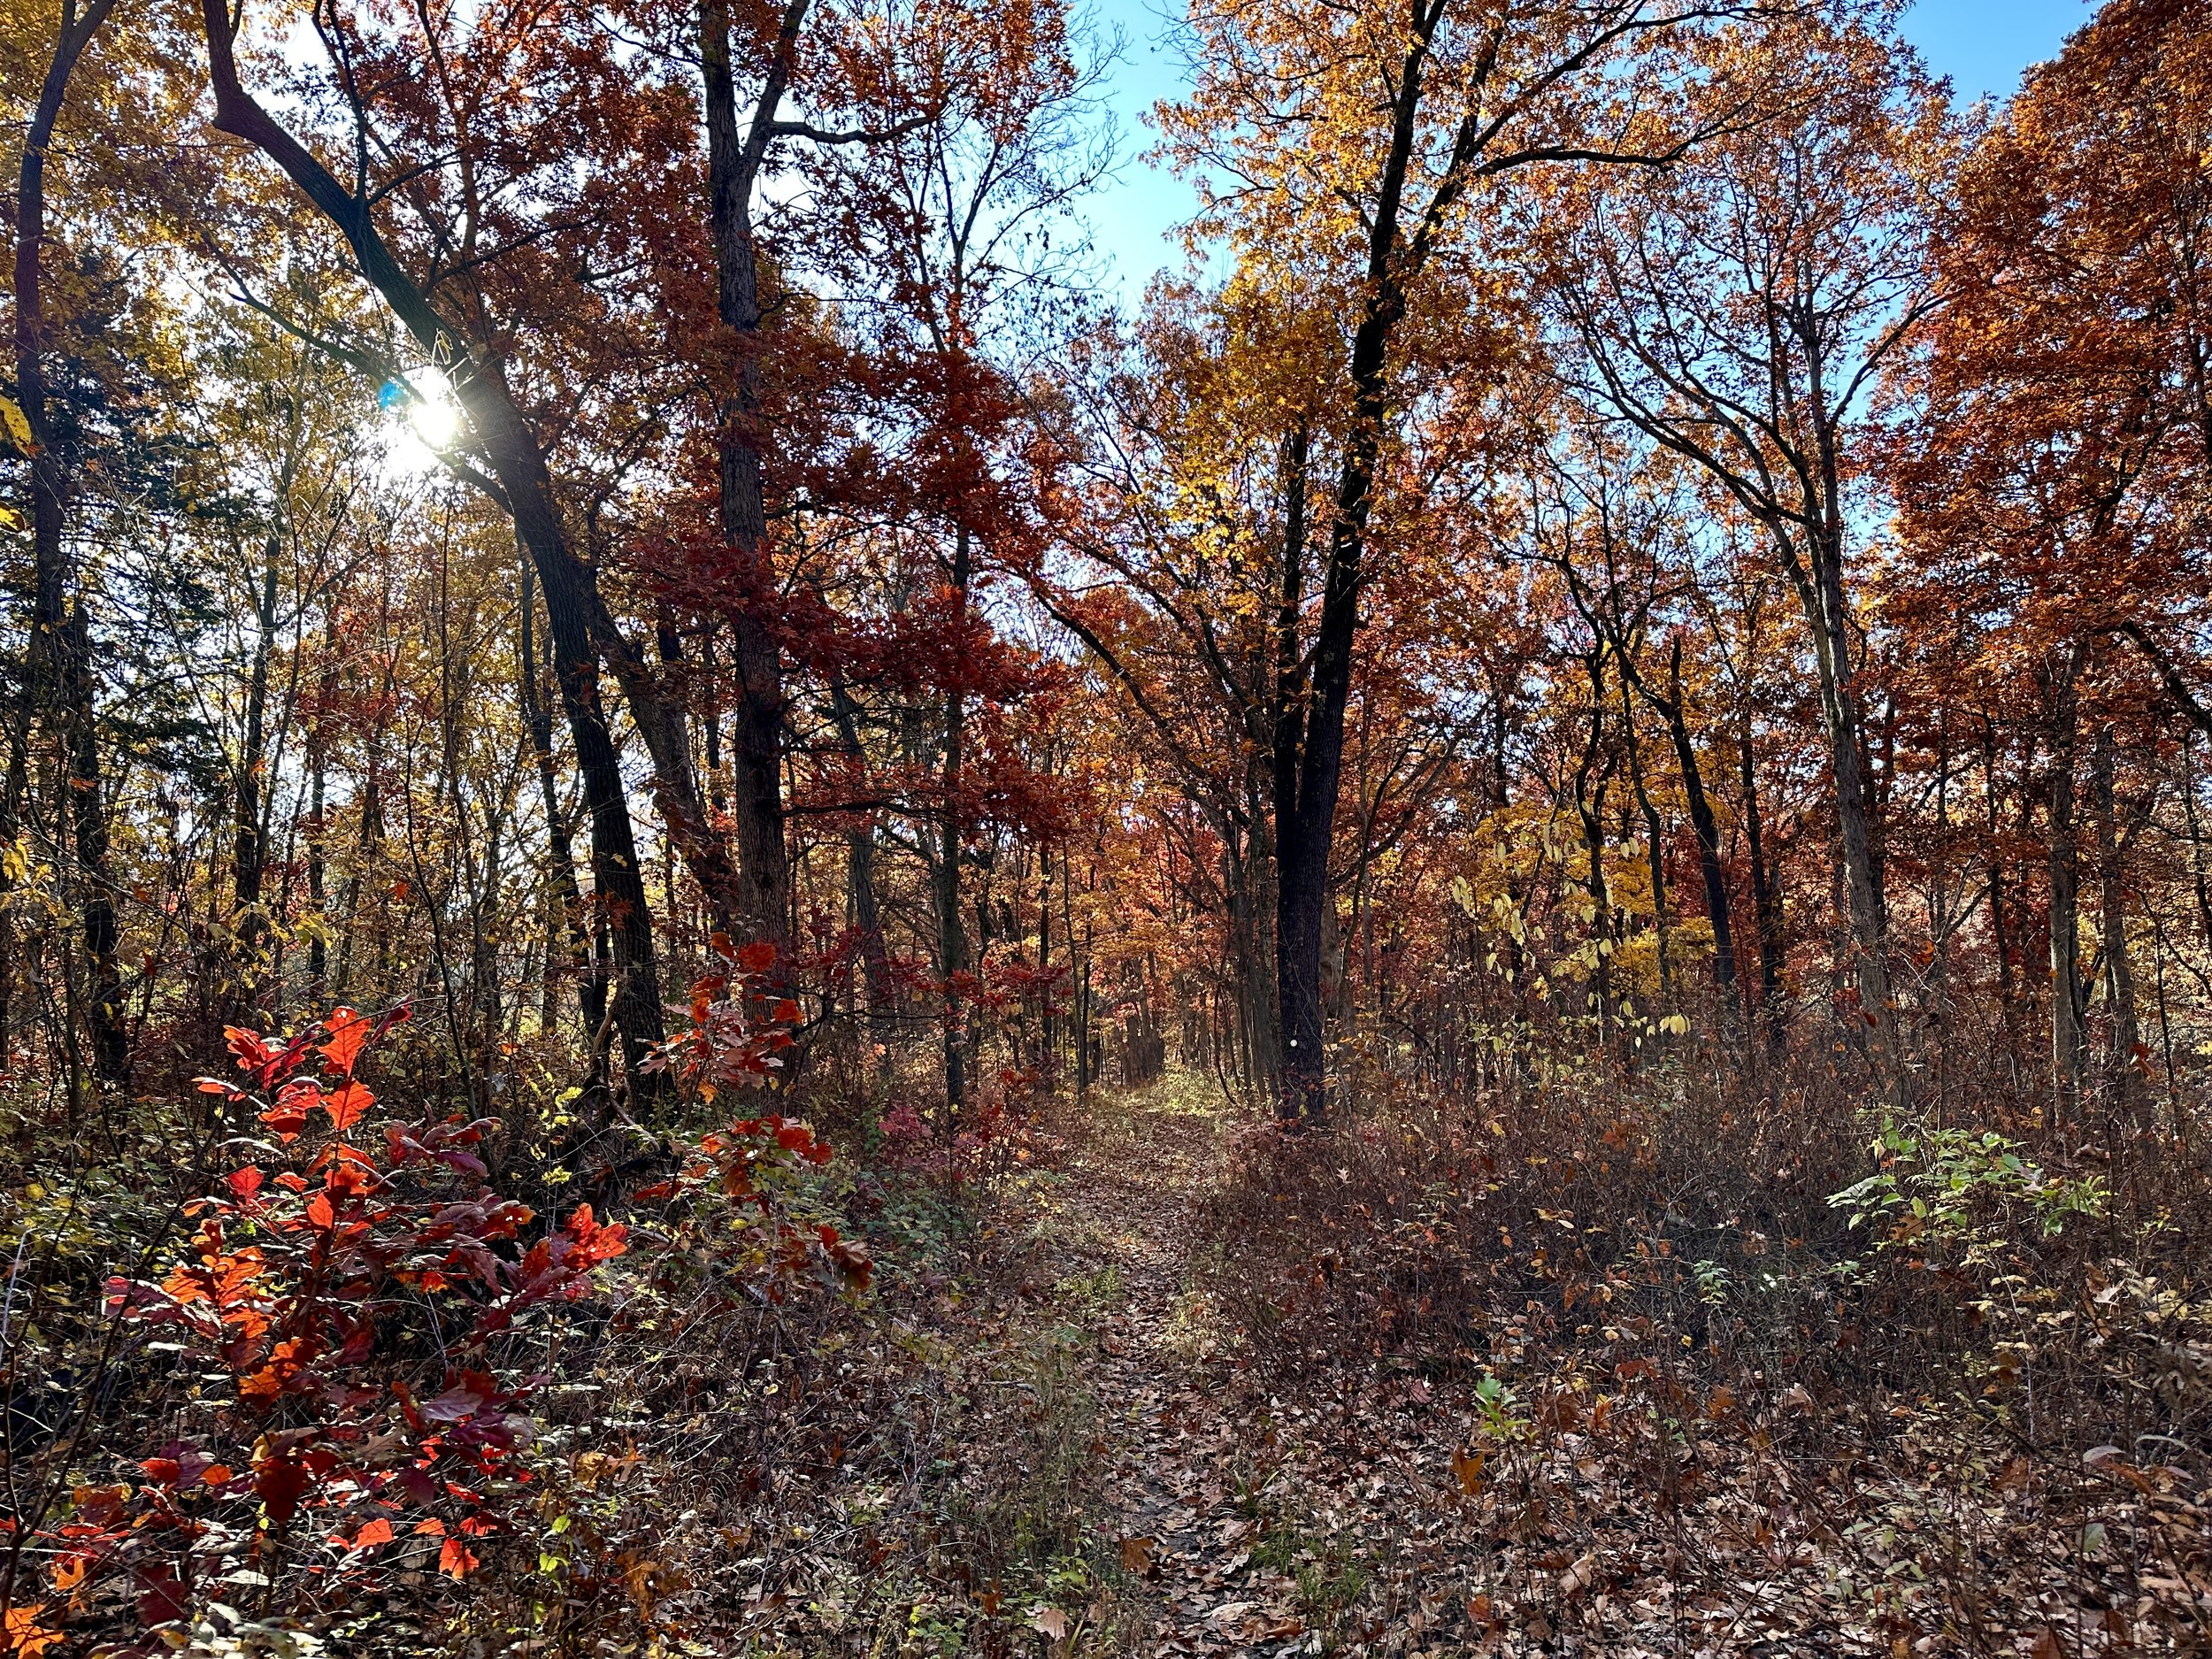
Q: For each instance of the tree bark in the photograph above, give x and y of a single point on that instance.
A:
(756, 737)
(2062, 866)
(1820, 590)
(591, 981)
(1765, 909)
(58, 680)
(2123, 1061)
(952, 941)
(1673, 709)
(250, 847)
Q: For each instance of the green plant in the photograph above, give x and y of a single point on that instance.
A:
(1501, 1419)
(1954, 1187)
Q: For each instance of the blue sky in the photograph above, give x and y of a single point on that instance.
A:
(1982, 45)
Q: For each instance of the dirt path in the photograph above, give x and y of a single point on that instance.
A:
(1374, 1508)
(1182, 1488)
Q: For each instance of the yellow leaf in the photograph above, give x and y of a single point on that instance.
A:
(17, 430)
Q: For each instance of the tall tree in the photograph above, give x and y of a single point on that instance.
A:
(1738, 309)
(1359, 141)
(59, 675)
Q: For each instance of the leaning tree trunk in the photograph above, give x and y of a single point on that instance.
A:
(1820, 590)
(517, 463)
(58, 680)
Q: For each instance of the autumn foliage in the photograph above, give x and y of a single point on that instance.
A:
(1552, 800)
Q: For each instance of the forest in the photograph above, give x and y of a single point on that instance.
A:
(736, 921)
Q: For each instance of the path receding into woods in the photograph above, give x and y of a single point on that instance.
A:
(1356, 1503)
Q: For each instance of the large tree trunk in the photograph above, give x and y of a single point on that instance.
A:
(59, 681)
(757, 738)
(574, 610)
(1305, 835)
(571, 600)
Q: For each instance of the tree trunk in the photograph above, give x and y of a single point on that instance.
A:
(756, 737)
(573, 612)
(860, 882)
(591, 984)
(1655, 842)
(57, 688)
(1841, 719)
(1590, 809)
(249, 841)
(2125, 1058)
(952, 943)
(89, 825)
(2063, 864)
(1294, 981)
(1304, 836)
(1765, 910)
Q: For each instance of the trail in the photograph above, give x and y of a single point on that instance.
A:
(1182, 1486)
(1333, 1515)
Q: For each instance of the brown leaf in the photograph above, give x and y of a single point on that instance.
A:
(1468, 1467)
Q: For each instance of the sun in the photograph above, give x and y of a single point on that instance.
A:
(435, 419)
(424, 422)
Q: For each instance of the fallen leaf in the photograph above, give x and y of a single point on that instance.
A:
(1050, 1622)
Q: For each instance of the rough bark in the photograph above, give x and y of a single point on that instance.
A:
(758, 729)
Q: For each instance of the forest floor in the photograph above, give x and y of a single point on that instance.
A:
(1591, 1499)
(1355, 1502)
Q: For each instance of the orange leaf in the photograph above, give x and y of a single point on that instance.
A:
(347, 1106)
(377, 1532)
(348, 1031)
(456, 1559)
(22, 1636)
